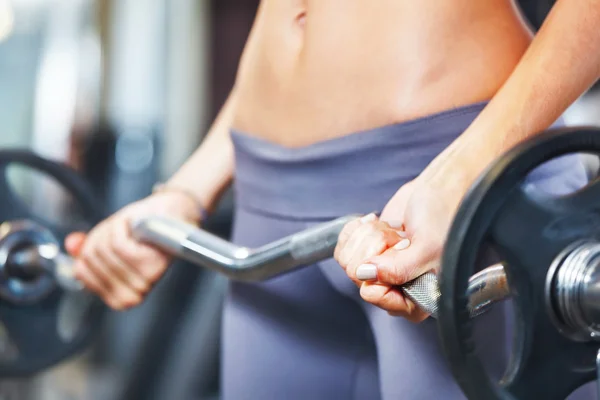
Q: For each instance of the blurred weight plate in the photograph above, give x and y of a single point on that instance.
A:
(41, 325)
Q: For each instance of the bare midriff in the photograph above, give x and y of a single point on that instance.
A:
(314, 70)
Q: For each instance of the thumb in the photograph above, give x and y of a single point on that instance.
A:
(74, 243)
(399, 264)
(394, 211)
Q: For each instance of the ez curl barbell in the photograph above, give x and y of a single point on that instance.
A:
(187, 242)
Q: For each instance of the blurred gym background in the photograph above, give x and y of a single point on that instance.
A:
(123, 90)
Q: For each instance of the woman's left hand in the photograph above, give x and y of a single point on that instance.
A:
(379, 254)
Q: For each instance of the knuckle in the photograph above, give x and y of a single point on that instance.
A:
(122, 249)
(341, 261)
(84, 277)
(105, 258)
(368, 227)
(344, 264)
(344, 233)
(88, 252)
(132, 301)
(139, 299)
(91, 285)
(120, 304)
(88, 262)
(125, 297)
(401, 274)
(377, 236)
(393, 270)
(153, 272)
(113, 303)
(146, 254)
(141, 286)
(350, 226)
(336, 252)
(342, 258)
(96, 233)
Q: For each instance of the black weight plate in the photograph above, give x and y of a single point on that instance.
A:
(529, 233)
(29, 331)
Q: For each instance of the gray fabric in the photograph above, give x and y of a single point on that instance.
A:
(308, 335)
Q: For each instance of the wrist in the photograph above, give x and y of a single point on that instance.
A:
(199, 211)
(452, 174)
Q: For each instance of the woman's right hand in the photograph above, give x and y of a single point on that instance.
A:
(113, 264)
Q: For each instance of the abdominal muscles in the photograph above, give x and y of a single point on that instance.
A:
(314, 70)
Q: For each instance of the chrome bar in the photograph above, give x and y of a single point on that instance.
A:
(246, 264)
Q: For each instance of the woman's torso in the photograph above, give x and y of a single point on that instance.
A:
(314, 70)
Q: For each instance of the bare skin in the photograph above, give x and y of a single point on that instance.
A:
(314, 70)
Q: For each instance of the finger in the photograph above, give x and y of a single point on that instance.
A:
(149, 262)
(112, 290)
(347, 230)
(123, 260)
(121, 290)
(82, 273)
(343, 249)
(372, 244)
(368, 240)
(91, 281)
(89, 261)
(74, 243)
(121, 273)
(401, 263)
(391, 300)
(354, 245)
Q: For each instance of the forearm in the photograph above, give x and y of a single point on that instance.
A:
(209, 170)
(562, 62)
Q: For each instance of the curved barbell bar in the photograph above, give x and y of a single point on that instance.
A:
(240, 263)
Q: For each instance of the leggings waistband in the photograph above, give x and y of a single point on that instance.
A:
(356, 173)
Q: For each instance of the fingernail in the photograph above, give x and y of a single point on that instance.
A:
(366, 272)
(368, 218)
(403, 244)
(402, 234)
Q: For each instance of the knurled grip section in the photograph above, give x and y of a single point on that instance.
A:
(424, 291)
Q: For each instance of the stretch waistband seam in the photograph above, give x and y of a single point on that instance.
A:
(283, 217)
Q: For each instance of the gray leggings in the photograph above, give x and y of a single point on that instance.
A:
(307, 334)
